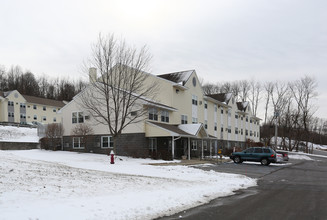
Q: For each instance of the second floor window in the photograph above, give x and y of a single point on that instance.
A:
(77, 117)
(153, 114)
(194, 120)
(164, 116)
(184, 119)
(194, 100)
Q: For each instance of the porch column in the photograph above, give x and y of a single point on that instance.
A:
(189, 149)
(173, 147)
(210, 147)
(202, 150)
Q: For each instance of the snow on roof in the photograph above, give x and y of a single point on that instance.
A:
(245, 104)
(177, 77)
(190, 128)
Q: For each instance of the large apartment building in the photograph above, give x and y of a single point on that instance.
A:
(16, 108)
(182, 121)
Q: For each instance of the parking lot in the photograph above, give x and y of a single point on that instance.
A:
(251, 169)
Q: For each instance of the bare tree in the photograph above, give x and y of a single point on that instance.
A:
(83, 131)
(254, 96)
(244, 90)
(269, 88)
(117, 98)
(304, 90)
(53, 133)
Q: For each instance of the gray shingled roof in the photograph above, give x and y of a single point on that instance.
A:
(43, 101)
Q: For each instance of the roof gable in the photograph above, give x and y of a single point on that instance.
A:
(177, 77)
(222, 97)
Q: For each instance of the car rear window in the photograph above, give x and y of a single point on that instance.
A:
(266, 150)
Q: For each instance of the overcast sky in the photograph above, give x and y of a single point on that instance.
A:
(223, 40)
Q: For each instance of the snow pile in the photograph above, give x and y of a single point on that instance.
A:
(38, 184)
(299, 157)
(18, 134)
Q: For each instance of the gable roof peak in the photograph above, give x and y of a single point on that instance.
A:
(177, 77)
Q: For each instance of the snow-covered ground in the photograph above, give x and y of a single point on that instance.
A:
(39, 184)
(18, 134)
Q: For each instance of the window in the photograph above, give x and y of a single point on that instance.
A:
(10, 103)
(205, 104)
(44, 118)
(194, 145)
(164, 116)
(216, 108)
(241, 131)
(236, 116)
(194, 100)
(22, 116)
(54, 119)
(206, 124)
(107, 142)
(205, 145)
(44, 108)
(222, 129)
(34, 107)
(11, 115)
(215, 128)
(247, 119)
(222, 111)
(22, 105)
(184, 119)
(54, 110)
(77, 142)
(194, 120)
(250, 150)
(35, 117)
(251, 133)
(134, 113)
(153, 144)
(246, 132)
(266, 150)
(153, 114)
(257, 150)
(229, 129)
(236, 130)
(77, 117)
(229, 113)
(250, 120)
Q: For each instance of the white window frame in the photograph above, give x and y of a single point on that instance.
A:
(110, 142)
(153, 114)
(194, 145)
(184, 119)
(77, 140)
(153, 144)
(79, 117)
(164, 116)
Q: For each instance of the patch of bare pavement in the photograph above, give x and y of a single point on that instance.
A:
(296, 190)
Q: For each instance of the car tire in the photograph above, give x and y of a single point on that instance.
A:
(237, 160)
(265, 161)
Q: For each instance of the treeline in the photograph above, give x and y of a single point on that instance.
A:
(289, 104)
(43, 86)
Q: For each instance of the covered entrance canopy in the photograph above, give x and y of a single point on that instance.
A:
(176, 132)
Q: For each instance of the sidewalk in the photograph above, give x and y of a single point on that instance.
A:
(193, 162)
